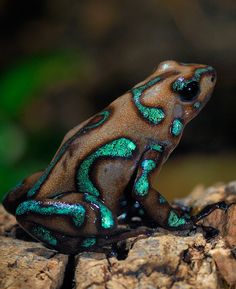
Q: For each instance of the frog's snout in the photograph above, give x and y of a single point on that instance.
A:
(212, 73)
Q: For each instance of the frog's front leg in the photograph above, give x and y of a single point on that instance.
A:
(154, 203)
(18, 194)
(69, 222)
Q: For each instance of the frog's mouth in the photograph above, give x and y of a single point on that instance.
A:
(199, 104)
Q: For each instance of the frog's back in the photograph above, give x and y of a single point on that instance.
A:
(105, 149)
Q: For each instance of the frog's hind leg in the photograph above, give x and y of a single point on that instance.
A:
(18, 194)
(71, 220)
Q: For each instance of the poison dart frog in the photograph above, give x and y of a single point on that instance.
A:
(74, 204)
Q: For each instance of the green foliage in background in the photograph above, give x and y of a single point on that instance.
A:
(27, 78)
(19, 86)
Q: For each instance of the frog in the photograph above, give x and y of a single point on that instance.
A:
(74, 204)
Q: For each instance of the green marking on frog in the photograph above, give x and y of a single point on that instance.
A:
(177, 127)
(153, 114)
(187, 216)
(174, 220)
(76, 211)
(179, 84)
(89, 242)
(121, 147)
(44, 235)
(197, 105)
(162, 200)
(107, 220)
(141, 212)
(200, 71)
(156, 147)
(141, 186)
(104, 114)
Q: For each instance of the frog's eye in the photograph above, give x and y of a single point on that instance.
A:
(187, 89)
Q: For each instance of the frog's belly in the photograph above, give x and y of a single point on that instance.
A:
(111, 177)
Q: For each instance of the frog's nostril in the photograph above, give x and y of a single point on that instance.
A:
(212, 73)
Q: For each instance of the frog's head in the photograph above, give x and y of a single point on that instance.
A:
(189, 87)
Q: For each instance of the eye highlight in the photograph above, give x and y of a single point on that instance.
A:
(187, 89)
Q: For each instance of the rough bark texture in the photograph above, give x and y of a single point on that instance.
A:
(163, 260)
(27, 264)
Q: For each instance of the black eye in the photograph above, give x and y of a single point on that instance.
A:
(187, 89)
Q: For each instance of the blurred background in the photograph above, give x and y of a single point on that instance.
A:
(61, 61)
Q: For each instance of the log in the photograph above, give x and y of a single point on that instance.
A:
(162, 260)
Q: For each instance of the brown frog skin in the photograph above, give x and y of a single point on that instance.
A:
(73, 205)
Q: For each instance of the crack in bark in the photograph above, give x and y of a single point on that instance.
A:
(174, 277)
(69, 275)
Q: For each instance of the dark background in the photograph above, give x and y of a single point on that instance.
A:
(61, 61)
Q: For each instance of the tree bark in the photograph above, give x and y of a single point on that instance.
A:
(163, 260)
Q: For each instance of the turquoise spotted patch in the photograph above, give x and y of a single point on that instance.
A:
(162, 200)
(107, 220)
(156, 147)
(104, 117)
(122, 148)
(197, 105)
(141, 186)
(44, 235)
(88, 242)
(154, 115)
(198, 72)
(175, 221)
(179, 84)
(177, 127)
(76, 211)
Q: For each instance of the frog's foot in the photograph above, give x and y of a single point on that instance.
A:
(124, 233)
(208, 209)
(185, 222)
(208, 231)
(177, 220)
